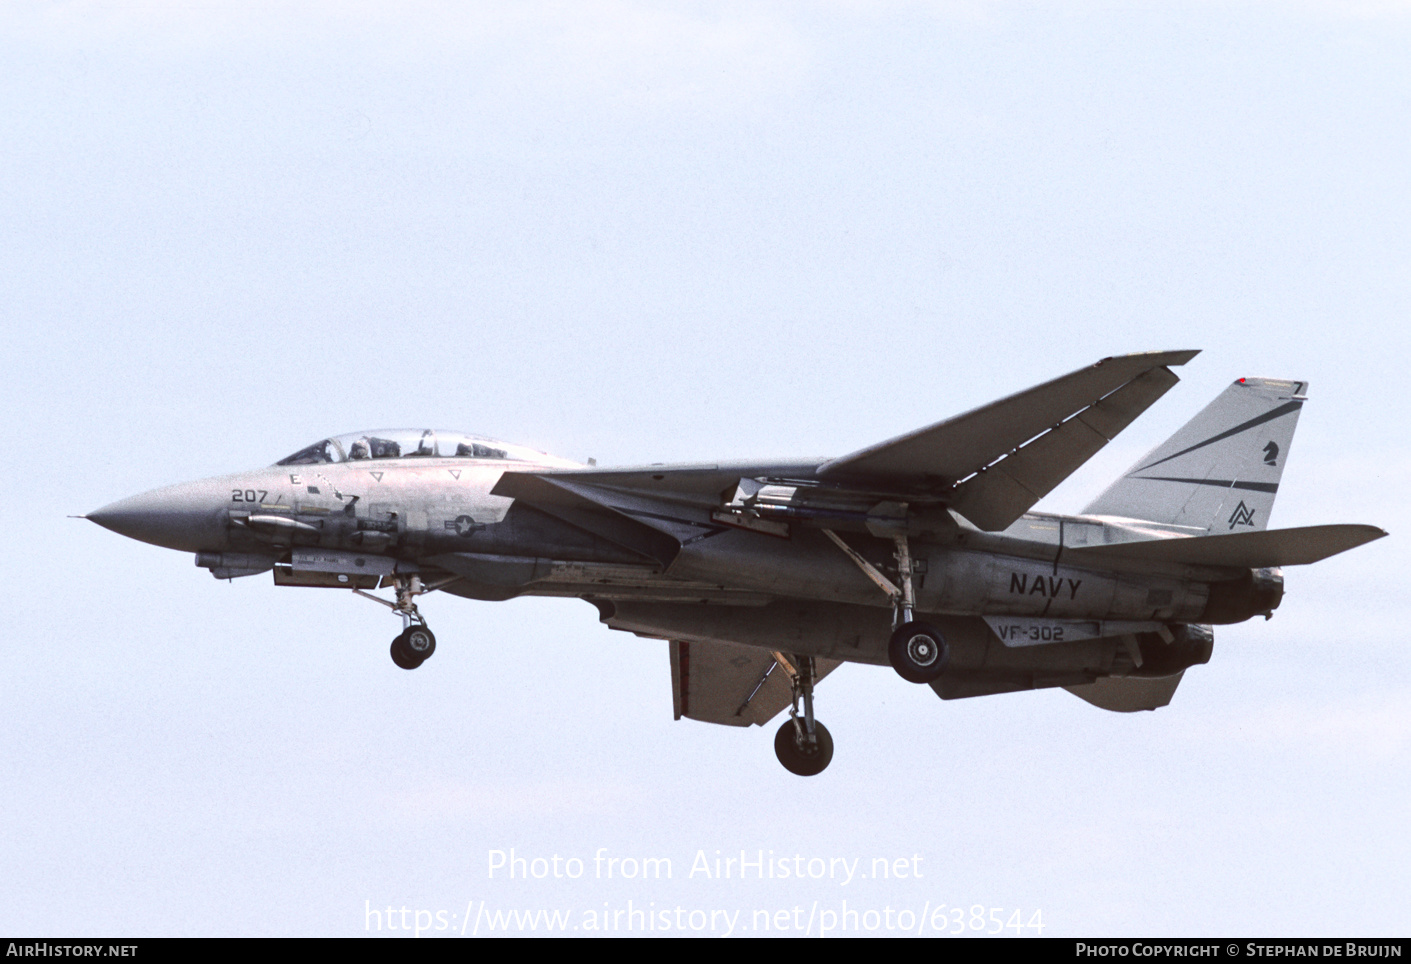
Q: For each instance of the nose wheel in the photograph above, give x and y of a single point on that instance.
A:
(413, 647)
(416, 643)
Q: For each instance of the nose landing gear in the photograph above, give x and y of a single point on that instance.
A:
(416, 643)
(413, 647)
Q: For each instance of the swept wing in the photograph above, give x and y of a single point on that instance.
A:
(996, 461)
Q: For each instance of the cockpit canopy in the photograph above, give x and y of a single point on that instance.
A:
(407, 443)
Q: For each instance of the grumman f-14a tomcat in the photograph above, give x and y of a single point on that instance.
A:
(920, 552)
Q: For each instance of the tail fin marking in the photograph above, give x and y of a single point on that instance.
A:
(1217, 472)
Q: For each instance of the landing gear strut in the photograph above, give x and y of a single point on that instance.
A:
(416, 643)
(803, 744)
(917, 651)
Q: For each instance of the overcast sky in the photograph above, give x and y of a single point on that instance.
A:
(655, 232)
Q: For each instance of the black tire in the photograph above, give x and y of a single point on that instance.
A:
(804, 761)
(402, 656)
(419, 642)
(918, 652)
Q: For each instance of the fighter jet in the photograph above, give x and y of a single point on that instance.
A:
(920, 553)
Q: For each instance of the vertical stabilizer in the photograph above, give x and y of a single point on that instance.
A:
(1221, 471)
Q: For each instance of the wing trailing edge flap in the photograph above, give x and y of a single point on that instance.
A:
(1013, 452)
(1005, 490)
(1128, 694)
(1242, 550)
(591, 510)
(728, 683)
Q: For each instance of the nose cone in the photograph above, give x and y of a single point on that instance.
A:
(189, 517)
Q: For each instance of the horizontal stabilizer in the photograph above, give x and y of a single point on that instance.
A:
(1128, 694)
(1003, 457)
(1241, 550)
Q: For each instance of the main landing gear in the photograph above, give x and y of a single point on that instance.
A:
(917, 651)
(803, 744)
(416, 643)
